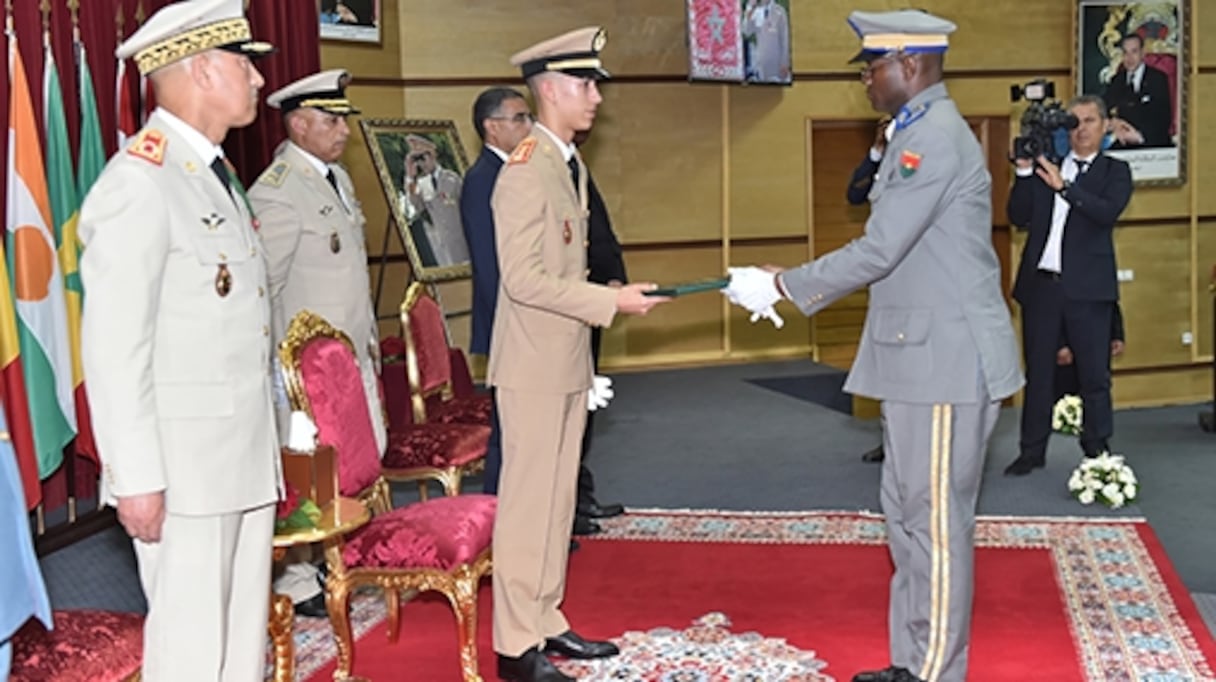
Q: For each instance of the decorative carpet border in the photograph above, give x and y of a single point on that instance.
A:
(1125, 623)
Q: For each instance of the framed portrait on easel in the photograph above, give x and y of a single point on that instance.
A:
(421, 165)
(1136, 56)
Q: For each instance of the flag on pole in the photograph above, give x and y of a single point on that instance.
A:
(91, 160)
(37, 282)
(124, 106)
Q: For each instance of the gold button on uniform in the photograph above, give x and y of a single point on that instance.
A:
(900, 336)
(261, 292)
(265, 330)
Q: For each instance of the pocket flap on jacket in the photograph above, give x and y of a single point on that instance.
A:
(902, 326)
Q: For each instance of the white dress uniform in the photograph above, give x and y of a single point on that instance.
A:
(176, 351)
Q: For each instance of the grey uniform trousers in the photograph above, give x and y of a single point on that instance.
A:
(930, 481)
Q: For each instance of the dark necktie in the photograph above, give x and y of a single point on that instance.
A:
(221, 172)
(333, 182)
(573, 164)
(1082, 166)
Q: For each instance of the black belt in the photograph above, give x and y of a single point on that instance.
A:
(1050, 274)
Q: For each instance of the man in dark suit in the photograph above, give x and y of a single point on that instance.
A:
(605, 265)
(502, 118)
(1138, 97)
(1066, 283)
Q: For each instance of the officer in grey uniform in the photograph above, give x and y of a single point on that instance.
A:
(313, 227)
(938, 348)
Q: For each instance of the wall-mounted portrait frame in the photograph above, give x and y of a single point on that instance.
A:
(1148, 106)
(421, 165)
(739, 41)
(356, 21)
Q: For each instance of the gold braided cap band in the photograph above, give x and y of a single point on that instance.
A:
(200, 39)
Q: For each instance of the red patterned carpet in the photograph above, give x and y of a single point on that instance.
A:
(801, 597)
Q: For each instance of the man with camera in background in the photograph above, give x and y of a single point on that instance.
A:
(1066, 283)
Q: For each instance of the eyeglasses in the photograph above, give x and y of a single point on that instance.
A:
(867, 72)
(521, 117)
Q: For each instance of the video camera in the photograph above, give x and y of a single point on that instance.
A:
(1045, 123)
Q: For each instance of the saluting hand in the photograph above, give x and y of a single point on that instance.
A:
(143, 516)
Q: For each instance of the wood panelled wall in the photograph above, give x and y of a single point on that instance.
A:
(698, 176)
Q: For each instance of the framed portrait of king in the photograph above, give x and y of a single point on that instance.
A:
(421, 166)
(1135, 55)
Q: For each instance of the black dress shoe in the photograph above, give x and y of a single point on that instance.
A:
(891, 674)
(571, 645)
(875, 455)
(596, 510)
(585, 525)
(531, 666)
(1025, 464)
(313, 607)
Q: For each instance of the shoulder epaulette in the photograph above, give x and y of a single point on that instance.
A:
(523, 151)
(149, 145)
(275, 175)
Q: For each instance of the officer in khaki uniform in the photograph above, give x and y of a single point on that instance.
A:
(177, 346)
(540, 359)
(938, 347)
(312, 225)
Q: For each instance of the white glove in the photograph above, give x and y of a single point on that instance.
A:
(600, 393)
(756, 290)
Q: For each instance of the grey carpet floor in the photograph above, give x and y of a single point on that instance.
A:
(714, 438)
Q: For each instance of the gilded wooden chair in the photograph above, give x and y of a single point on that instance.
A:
(441, 545)
(429, 366)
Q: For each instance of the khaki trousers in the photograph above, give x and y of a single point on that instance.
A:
(541, 436)
(207, 584)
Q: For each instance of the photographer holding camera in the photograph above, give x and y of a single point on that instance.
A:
(1066, 283)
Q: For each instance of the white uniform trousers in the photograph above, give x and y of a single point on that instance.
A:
(207, 584)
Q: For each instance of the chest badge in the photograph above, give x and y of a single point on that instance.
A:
(567, 233)
(326, 210)
(909, 163)
(223, 281)
(335, 242)
(212, 222)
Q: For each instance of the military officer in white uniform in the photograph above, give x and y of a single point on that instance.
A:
(432, 201)
(312, 225)
(938, 347)
(177, 346)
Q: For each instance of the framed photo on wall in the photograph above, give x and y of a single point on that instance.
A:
(739, 41)
(421, 166)
(351, 20)
(1136, 56)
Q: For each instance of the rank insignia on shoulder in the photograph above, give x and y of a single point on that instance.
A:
(149, 145)
(523, 151)
(276, 174)
(909, 162)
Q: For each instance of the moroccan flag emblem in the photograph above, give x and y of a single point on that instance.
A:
(908, 163)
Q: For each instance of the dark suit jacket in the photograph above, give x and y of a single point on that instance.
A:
(604, 258)
(1087, 257)
(478, 222)
(862, 180)
(1148, 109)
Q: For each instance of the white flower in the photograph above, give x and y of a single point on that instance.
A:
(1115, 501)
(1129, 491)
(1086, 496)
(1094, 484)
(1110, 490)
(1074, 482)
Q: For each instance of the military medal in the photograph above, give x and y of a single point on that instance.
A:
(335, 243)
(567, 233)
(223, 281)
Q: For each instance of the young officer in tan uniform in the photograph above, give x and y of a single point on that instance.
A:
(176, 349)
(540, 359)
(312, 226)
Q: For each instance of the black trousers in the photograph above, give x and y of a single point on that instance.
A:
(586, 481)
(1048, 319)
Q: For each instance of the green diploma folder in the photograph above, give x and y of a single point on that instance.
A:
(690, 287)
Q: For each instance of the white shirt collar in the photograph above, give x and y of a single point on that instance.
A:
(321, 166)
(206, 149)
(497, 152)
(566, 147)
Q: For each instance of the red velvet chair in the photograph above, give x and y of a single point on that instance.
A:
(441, 544)
(85, 646)
(418, 452)
(429, 367)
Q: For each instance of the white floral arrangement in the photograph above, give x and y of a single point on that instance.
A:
(1066, 415)
(1106, 479)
